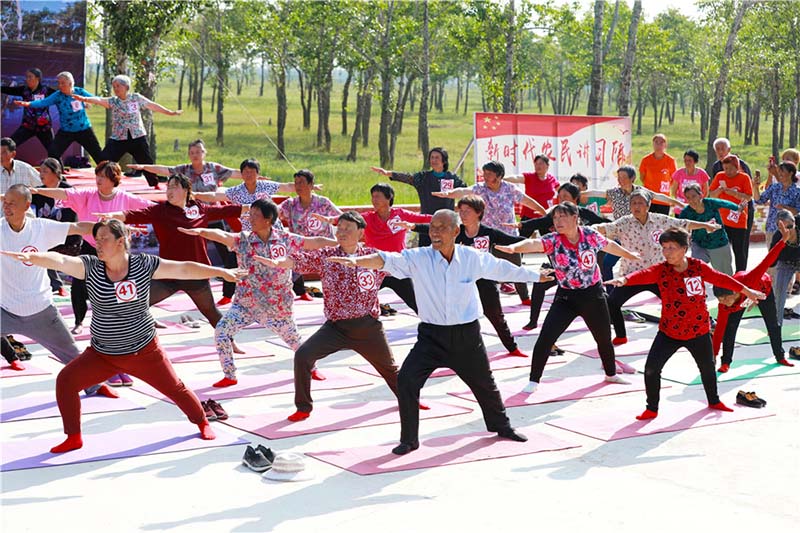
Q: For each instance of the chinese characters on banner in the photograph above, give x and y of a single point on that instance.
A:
(593, 146)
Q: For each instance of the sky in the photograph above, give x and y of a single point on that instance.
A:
(651, 8)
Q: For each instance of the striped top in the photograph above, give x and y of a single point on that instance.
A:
(121, 319)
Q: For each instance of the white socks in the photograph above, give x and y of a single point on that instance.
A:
(625, 367)
(616, 378)
(530, 387)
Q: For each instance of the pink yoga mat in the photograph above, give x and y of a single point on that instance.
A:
(275, 382)
(589, 348)
(562, 389)
(30, 370)
(173, 328)
(118, 444)
(44, 406)
(208, 353)
(333, 417)
(577, 325)
(440, 451)
(497, 361)
(614, 425)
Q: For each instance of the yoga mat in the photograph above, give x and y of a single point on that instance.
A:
(440, 451)
(562, 389)
(577, 325)
(755, 312)
(614, 425)
(589, 347)
(742, 368)
(177, 304)
(118, 444)
(30, 370)
(334, 417)
(208, 353)
(758, 335)
(44, 406)
(173, 328)
(497, 361)
(645, 298)
(274, 382)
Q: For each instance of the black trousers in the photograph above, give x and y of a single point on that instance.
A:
(85, 138)
(522, 288)
(363, 335)
(139, 150)
(22, 134)
(298, 284)
(490, 300)
(589, 304)
(460, 348)
(537, 299)
(199, 290)
(740, 242)
(79, 294)
(662, 349)
(769, 313)
(617, 299)
(228, 259)
(404, 288)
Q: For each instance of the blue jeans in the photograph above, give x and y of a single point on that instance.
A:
(784, 273)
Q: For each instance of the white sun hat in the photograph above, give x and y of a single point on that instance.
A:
(288, 466)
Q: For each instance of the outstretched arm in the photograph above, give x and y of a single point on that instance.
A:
(190, 270)
(160, 170)
(372, 261)
(56, 194)
(80, 228)
(523, 247)
(216, 235)
(315, 243)
(529, 202)
(72, 266)
(158, 108)
(97, 100)
(615, 249)
(454, 193)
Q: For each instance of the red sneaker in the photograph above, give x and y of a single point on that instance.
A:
(306, 297)
(516, 353)
(224, 301)
(297, 416)
(225, 382)
(317, 375)
(724, 368)
(784, 362)
(62, 292)
(647, 415)
(618, 341)
(526, 301)
(16, 365)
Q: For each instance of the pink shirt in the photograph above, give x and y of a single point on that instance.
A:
(87, 201)
(543, 191)
(387, 236)
(700, 178)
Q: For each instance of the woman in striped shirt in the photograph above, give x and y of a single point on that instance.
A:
(123, 330)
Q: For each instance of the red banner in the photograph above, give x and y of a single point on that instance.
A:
(593, 146)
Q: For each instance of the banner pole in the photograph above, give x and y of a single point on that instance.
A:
(464, 155)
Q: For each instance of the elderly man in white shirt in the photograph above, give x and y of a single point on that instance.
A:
(449, 335)
(14, 171)
(26, 305)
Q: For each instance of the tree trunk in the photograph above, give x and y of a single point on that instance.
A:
(200, 83)
(466, 96)
(756, 121)
(345, 97)
(220, 103)
(397, 123)
(365, 121)
(360, 99)
(508, 82)
(793, 111)
(280, 95)
(596, 80)
(728, 98)
(458, 95)
(748, 120)
(722, 82)
(261, 87)
(180, 87)
(776, 111)
(213, 97)
(423, 143)
(305, 102)
(324, 110)
(623, 99)
(386, 93)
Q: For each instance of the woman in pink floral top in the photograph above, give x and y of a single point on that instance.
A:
(573, 253)
(264, 296)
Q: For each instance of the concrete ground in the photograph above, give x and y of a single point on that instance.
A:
(740, 476)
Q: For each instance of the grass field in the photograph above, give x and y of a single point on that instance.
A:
(250, 121)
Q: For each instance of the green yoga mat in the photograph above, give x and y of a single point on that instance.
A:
(741, 370)
(758, 335)
(755, 312)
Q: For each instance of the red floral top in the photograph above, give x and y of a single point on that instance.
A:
(349, 292)
(684, 314)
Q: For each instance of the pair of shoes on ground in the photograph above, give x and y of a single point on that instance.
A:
(790, 314)
(633, 316)
(258, 459)
(795, 288)
(388, 310)
(750, 399)
(213, 410)
(20, 350)
(794, 352)
(120, 380)
(190, 322)
(314, 292)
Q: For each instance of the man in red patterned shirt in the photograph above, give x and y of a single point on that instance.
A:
(351, 310)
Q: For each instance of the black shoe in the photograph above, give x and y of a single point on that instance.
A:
(210, 414)
(387, 310)
(794, 352)
(217, 409)
(511, 434)
(749, 399)
(266, 452)
(555, 350)
(255, 460)
(405, 447)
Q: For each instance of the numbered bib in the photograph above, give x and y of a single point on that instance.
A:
(76, 105)
(664, 187)
(207, 178)
(29, 250)
(733, 216)
(588, 259)
(655, 235)
(38, 97)
(393, 224)
(125, 291)
(313, 223)
(695, 286)
(277, 251)
(481, 244)
(593, 208)
(366, 280)
(192, 212)
(446, 185)
(133, 107)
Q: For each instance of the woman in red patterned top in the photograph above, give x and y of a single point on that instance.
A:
(684, 315)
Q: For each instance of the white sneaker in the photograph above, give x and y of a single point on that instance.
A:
(616, 378)
(625, 367)
(530, 388)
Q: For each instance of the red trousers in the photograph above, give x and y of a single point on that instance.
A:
(150, 364)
